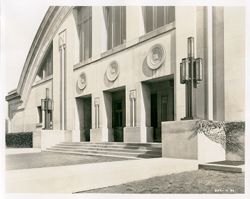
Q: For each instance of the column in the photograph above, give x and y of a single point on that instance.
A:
(209, 64)
(97, 104)
(62, 50)
(132, 96)
(132, 130)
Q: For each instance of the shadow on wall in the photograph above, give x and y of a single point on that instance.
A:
(107, 83)
(146, 70)
(78, 90)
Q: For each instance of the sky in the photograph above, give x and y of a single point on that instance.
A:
(21, 21)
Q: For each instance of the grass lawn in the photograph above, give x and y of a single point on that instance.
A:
(200, 181)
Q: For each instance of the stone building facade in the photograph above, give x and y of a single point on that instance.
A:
(113, 73)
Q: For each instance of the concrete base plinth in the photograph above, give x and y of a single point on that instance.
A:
(95, 135)
(138, 134)
(46, 138)
(76, 136)
(179, 140)
(132, 134)
(101, 135)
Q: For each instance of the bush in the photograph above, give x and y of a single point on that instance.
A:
(224, 133)
(19, 140)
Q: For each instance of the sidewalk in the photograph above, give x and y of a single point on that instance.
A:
(81, 177)
(10, 151)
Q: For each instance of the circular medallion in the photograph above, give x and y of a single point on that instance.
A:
(112, 71)
(156, 56)
(82, 82)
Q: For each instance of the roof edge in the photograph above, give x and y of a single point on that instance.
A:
(35, 43)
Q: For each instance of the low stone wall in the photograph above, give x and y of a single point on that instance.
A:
(203, 140)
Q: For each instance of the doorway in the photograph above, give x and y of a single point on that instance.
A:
(115, 108)
(159, 99)
(85, 117)
(118, 114)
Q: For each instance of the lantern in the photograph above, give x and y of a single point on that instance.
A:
(50, 104)
(198, 70)
(44, 104)
(185, 73)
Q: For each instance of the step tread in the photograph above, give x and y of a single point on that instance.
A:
(102, 151)
(94, 154)
(103, 144)
(114, 143)
(139, 156)
(108, 148)
(111, 146)
(221, 167)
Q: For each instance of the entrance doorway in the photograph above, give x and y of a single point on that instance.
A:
(116, 112)
(85, 117)
(159, 104)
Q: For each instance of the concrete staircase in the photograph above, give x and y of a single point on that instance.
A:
(111, 149)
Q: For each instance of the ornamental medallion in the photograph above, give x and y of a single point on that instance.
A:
(112, 71)
(156, 56)
(82, 81)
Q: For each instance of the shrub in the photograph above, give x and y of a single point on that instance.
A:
(19, 140)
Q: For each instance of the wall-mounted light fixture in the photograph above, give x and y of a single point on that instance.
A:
(47, 107)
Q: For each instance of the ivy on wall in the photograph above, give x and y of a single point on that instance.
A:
(214, 130)
(224, 133)
(233, 132)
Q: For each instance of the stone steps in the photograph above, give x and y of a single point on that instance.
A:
(226, 168)
(111, 149)
(117, 144)
(111, 146)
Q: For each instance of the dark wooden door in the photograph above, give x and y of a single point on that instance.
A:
(86, 119)
(118, 120)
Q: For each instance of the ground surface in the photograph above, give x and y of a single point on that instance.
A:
(49, 159)
(201, 181)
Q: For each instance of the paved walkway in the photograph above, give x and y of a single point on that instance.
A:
(9, 151)
(81, 177)
(50, 159)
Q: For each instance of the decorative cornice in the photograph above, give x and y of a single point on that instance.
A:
(12, 95)
(46, 79)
